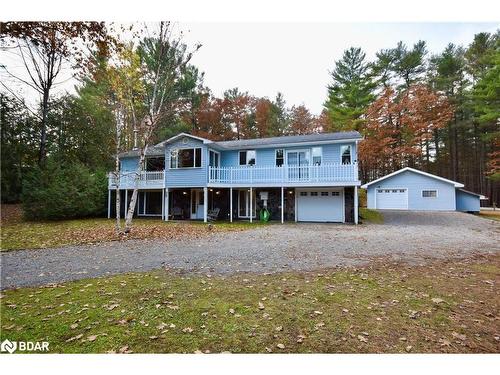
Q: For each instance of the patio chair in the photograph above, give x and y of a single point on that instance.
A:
(213, 214)
(177, 211)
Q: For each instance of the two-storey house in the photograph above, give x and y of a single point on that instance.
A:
(296, 178)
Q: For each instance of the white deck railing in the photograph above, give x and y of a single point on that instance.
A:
(128, 180)
(286, 174)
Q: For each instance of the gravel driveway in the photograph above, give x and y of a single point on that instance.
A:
(413, 237)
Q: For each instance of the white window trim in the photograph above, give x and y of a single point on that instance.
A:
(144, 202)
(215, 152)
(429, 189)
(276, 156)
(321, 155)
(350, 153)
(254, 202)
(194, 158)
(247, 165)
(298, 150)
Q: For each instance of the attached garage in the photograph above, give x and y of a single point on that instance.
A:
(320, 205)
(411, 189)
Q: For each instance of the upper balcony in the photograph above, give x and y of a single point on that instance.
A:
(141, 180)
(285, 175)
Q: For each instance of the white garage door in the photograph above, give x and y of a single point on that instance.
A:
(392, 199)
(324, 205)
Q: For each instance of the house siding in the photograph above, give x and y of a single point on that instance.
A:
(129, 164)
(467, 202)
(266, 156)
(415, 183)
(186, 177)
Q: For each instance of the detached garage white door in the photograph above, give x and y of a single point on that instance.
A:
(392, 199)
(323, 205)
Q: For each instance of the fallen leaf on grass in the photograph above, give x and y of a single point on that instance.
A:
(75, 338)
(362, 338)
(281, 346)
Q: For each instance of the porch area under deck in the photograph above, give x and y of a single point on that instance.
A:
(245, 203)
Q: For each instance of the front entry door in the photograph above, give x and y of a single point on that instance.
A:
(244, 203)
(298, 164)
(197, 204)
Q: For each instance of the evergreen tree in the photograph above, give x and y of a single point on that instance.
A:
(409, 64)
(351, 91)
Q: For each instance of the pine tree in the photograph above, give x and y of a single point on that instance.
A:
(351, 91)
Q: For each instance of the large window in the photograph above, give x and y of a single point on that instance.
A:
(185, 158)
(345, 154)
(155, 164)
(247, 157)
(429, 193)
(317, 152)
(280, 157)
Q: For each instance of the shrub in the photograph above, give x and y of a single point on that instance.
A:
(63, 192)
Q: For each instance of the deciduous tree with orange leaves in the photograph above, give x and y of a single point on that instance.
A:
(399, 129)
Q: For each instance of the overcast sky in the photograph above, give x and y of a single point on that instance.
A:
(295, 58)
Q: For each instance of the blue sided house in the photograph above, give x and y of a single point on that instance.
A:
(294, 178)
(411, 189)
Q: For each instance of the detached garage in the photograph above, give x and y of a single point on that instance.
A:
(411, 189)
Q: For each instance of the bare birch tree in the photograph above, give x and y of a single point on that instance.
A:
(164, 58)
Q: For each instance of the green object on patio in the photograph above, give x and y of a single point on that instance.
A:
(264, 215)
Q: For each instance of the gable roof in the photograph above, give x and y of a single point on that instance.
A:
(288, 140)
(408, 169)
(180, 135)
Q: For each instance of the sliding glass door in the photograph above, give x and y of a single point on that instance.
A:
(244, 203)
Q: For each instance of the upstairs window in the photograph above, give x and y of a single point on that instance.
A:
(185, 158)
(429, 193)
(155, 164)
(280, 157)
(345, 154)
(317, 153)
(247, 157)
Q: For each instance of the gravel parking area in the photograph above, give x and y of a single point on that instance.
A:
(413, 237)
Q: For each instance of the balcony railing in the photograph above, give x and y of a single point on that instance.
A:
(286, 174)
(143, 180)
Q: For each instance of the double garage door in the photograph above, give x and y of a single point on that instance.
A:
(321, 205)
(391, 199)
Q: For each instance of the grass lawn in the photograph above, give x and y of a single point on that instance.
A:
(445, 307)
(19, 234)
(494, 215)
(372, 216)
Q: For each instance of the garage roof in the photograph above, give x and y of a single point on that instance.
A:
(472, 193)
(408, 169)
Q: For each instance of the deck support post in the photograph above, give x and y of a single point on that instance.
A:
(251, 205)
(230, 204)
(167, 202)
(109, 203)
(162, 204)
(125, 205)
(205, 204)
(355, 204)
(282, 205)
